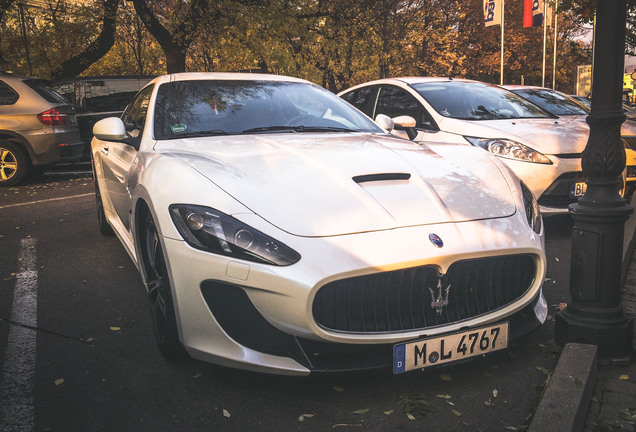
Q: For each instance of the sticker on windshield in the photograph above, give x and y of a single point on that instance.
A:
(178, 128)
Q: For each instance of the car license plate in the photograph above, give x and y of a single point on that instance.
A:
(578, 189)
(449, 348)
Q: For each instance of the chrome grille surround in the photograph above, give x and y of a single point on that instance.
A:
(416, 298)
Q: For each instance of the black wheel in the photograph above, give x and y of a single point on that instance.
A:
(14, 165)
(104, 228)
(160, 294)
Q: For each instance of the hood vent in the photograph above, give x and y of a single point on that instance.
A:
(381, 177)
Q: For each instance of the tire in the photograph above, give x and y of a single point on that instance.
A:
(104, 229)
(14, 165)
(160, 293)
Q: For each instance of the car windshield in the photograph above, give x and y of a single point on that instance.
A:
(231, 107)
(553, 102)
(476, 101)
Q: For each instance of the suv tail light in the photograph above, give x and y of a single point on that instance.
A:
(53, 117)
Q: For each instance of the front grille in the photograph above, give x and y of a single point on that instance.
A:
(629, 142)
(416, 298)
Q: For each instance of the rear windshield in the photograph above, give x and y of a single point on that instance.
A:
(476, 101)
(554, 102)
(42, 88)
(229, 107)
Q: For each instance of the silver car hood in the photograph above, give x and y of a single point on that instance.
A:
(328, 184)
(549, 136)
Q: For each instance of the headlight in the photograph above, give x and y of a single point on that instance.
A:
(212, 231)
(533, 215)
(509, 149)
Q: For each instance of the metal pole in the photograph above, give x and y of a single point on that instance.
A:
(545, 32)
(595, 314)
(501, 73)
(554, 54)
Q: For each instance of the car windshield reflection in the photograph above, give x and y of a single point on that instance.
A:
(476, 101)
(231, 107)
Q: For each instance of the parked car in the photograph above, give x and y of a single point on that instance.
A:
(38, 128)
(630, 112)
(278, 229)
(98, 97)
(566, 107)
(543, 150)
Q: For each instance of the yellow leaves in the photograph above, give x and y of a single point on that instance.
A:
(624, 377)
(338, 389)
(59, 381)
(115, 328)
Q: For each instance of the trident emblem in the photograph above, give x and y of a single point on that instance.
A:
(439, 297)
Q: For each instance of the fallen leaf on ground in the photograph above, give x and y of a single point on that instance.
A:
(445, 377)
(445, 396)
(338, 389)
(115, 328)
(389, 412)
(623, 377)
(226, 413)
(360, 411)
(59, 381)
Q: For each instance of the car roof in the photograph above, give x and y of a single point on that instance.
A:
(236, 76)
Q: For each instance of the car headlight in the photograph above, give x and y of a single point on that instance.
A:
(509, 149)
(533, 215)
(212, 231)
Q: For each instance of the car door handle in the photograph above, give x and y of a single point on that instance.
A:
(105, 150)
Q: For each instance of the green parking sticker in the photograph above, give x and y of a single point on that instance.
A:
(178, 128)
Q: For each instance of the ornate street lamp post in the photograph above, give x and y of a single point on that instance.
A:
(595, 314)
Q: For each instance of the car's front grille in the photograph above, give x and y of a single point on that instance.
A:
(629, 142)
(420, 298)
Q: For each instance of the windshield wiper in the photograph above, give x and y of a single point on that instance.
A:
(269, 129)
(322, 129)
(194, 134)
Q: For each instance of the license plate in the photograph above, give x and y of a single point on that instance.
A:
(578, 189)
(449, 348)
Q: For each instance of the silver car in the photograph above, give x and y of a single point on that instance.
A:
(38, 127)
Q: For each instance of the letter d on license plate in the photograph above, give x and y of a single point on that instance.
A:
(449, 348)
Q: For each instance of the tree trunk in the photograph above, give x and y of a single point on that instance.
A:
(96, 50)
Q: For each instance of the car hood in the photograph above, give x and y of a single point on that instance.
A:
(549, 136)
(332, 184)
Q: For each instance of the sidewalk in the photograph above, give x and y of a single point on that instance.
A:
(585, 396)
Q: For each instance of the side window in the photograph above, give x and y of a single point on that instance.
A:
(362, 99)
(8, 96)
(394, 101)
(135, 115)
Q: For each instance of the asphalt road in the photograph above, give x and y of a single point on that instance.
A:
(86, 359)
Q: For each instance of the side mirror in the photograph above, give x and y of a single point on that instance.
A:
(110, 129)
(406, 124)
(404, 121)
(385, 122)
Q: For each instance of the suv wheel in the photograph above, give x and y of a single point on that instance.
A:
(13, 164)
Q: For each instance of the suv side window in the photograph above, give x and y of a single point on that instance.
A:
(394, 101)
(135, 115)
(8, 96)
(362, 98)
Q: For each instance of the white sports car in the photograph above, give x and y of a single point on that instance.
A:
(280, 230)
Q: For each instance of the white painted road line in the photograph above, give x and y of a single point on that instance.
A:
(47, 200)
(17, 411)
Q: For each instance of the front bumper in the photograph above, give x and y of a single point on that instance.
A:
(259, 317)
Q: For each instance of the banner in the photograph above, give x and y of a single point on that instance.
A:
(492, 12)
(533, 13)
